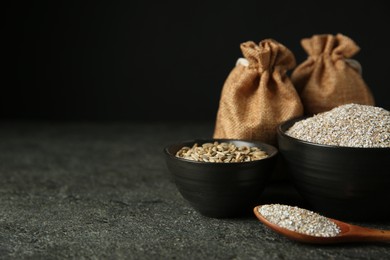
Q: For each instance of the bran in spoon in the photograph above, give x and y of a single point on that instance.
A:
(299, 220)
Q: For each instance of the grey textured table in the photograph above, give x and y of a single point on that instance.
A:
(99, 191)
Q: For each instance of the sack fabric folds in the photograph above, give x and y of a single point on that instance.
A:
(258, 95)
(328, 77)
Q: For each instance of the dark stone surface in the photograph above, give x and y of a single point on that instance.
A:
(98, 191)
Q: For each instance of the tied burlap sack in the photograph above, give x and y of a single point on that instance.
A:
(258, 95)
(329, 78)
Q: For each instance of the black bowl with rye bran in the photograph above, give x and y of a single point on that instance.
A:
(221, 190)
(347, 183)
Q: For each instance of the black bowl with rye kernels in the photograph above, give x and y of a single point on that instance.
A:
(221, 189)
(350, 183)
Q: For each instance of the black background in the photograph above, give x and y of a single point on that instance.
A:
(163, 61)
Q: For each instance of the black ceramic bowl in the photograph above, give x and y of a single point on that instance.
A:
(339, 182)
(221, 190)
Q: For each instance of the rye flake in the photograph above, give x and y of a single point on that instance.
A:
(221, 153)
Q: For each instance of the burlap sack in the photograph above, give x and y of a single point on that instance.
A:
(328, 78)
(258, 95)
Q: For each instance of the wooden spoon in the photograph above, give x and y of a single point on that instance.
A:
(349, 233)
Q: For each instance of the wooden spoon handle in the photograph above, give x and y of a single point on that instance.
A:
(369, 234)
